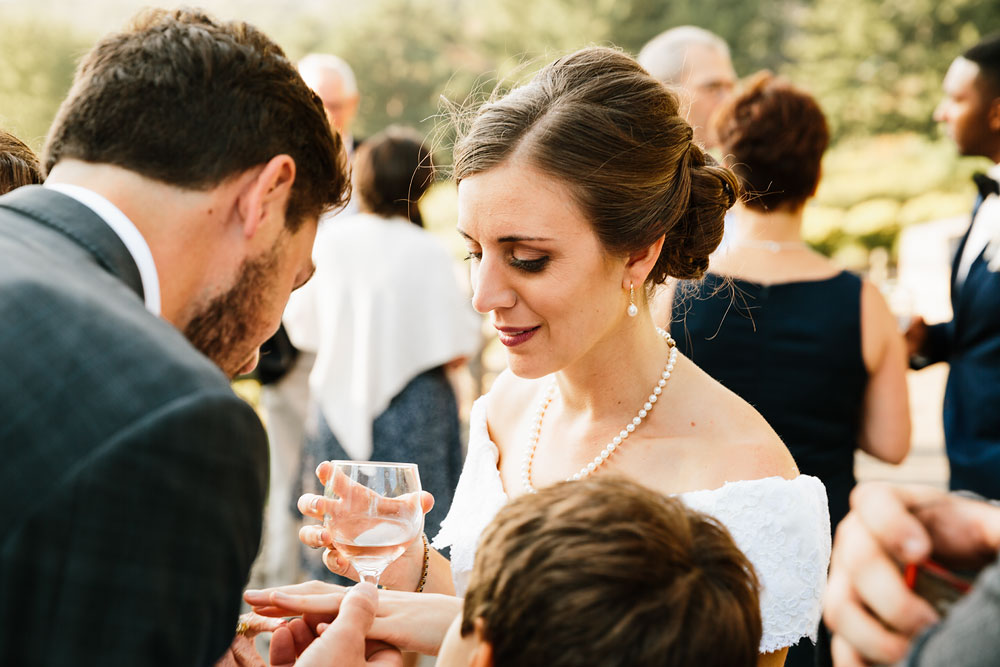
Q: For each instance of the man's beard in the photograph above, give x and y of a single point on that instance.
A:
(222, 329)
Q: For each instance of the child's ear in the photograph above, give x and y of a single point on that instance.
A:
(483, 655)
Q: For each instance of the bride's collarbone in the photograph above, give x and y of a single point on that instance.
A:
(668, 463)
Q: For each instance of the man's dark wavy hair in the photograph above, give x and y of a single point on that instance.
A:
(185, 99)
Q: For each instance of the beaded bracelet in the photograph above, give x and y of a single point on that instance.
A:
(423, 572)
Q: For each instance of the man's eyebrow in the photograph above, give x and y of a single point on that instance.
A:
(507, 239)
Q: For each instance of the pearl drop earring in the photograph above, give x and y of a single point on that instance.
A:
(632, 309)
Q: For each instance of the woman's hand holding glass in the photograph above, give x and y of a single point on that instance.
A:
(364, 503)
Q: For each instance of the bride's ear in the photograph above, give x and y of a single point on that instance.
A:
(641, 262)
(482, 656)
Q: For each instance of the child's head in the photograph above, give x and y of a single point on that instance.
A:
(604, 572)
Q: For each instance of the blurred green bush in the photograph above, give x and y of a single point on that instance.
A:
(872, 188)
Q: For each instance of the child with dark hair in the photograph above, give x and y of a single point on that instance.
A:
(606, 572)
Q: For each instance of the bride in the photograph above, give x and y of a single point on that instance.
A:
(578, 194)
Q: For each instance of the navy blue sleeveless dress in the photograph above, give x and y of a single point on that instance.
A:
(793, 351)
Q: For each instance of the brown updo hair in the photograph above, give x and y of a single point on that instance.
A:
(596, 120)
(774, 136)
(392, 170)
(18, 164)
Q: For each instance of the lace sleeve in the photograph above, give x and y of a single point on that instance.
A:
(783, 527)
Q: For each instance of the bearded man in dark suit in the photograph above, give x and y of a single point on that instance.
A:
(970, 342)
(186, 173)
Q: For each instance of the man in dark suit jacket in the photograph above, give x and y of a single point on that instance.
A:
(186, 173)
(970, 342)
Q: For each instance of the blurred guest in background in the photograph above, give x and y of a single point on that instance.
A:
(386, 315)
(970, 342)
(696, 62)
(284, 369)
(333, 80)
(18, 164)
(813, 348)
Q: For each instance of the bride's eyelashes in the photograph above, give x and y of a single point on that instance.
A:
(526, 265)
(529, 265)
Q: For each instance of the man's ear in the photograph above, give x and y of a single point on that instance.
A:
(641, 262)
(993, 115)
(265, 193)
(483, 654)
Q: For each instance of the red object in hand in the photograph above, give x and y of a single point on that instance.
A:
(937, 584)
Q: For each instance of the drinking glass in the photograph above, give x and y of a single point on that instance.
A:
(376, 513)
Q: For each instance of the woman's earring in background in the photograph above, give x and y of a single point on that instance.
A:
(632, 309)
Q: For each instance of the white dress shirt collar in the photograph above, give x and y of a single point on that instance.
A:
(127, 232)
(994, 172)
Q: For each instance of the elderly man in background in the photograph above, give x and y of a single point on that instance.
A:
(333, 80)
(696, 62)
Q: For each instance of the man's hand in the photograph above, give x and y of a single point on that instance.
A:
(340, 643)
(242, 652)
(916, 336)
(872, 613)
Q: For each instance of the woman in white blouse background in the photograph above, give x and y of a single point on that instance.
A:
(385, 315)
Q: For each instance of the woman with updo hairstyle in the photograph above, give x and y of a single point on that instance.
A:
(18, 164)
(578, 193)
(815, 349)
(386, 317)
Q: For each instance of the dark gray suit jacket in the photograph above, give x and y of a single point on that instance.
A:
(132, 479)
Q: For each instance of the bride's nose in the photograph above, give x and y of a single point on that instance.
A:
(490, 289)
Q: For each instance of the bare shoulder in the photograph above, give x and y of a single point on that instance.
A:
(739, 441)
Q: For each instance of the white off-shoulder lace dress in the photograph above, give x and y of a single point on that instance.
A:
(783, 527)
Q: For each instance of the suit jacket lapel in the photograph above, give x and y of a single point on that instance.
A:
(955, 290)
(78, 222)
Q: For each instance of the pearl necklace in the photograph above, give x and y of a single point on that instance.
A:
(616, 442)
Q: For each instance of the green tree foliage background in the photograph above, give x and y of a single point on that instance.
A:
(875, 65)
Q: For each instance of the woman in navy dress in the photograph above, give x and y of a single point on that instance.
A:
(815, 349)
